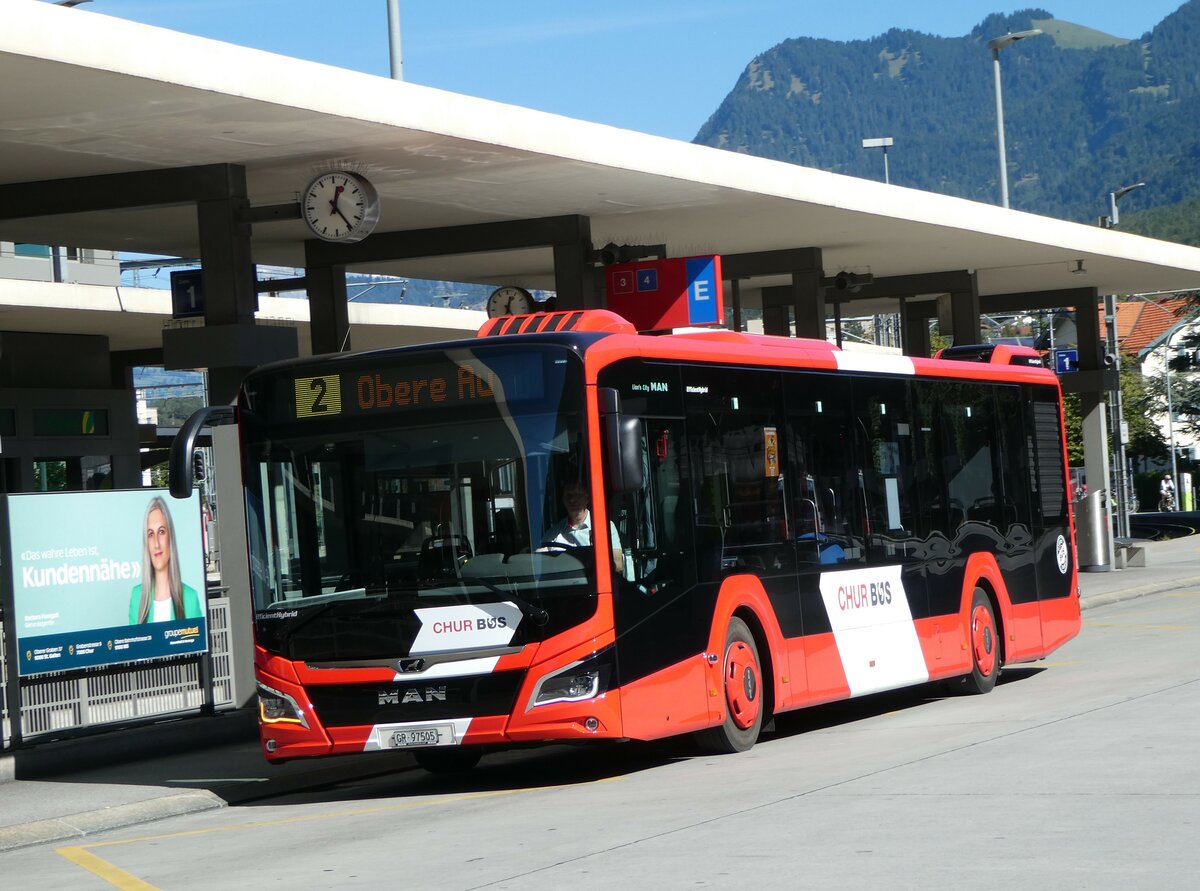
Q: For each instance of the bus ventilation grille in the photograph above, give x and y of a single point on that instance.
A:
(994, 354)
(593, 320)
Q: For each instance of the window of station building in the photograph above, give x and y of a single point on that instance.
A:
(50, 475)
(70, 422)
(31, 250)
(8, 422)
(96, 471)
(73, 473)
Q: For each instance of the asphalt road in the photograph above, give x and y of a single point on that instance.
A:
(1078, 772)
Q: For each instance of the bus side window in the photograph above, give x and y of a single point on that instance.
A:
(736, 438)
(969, 454)
(828, 526)
(885, 428)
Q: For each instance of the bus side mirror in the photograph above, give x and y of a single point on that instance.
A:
(181, 462)
(623, 444)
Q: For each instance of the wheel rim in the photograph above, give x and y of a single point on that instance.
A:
(742, 682)
(983, 640)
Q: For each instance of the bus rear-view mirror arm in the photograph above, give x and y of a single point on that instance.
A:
(183, 446)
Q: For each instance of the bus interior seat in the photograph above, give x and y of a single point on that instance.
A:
(508, 536)
(440, 553)
(670, 507)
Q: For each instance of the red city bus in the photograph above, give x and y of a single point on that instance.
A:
(770, 523)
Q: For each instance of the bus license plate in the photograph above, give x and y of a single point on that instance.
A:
(422, 736)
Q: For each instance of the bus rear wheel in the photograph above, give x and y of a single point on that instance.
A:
(448, 759)
(984, 643)
(742, 689)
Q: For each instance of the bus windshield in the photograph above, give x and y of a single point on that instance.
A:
(425, 479)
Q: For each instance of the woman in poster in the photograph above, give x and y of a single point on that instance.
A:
(162, 595)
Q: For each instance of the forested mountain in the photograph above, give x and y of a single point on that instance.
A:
(1085, 112)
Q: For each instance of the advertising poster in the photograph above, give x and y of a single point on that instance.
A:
(106, 577)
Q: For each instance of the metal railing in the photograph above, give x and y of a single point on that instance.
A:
(77, 702)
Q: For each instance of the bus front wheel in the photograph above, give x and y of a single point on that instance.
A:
(742, 688)
(983, 640)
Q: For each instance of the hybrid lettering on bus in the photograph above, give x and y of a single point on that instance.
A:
(789, 524)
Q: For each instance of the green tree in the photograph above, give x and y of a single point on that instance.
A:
(174, 410)
(1140, 403)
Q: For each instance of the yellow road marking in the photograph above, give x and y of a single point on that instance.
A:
(81, 855)
(118, 878)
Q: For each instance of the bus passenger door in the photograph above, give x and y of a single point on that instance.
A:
(745, 525)
(827, 505)
(876, 611)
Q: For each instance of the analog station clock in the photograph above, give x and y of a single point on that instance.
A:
(509, 301)
(340, 206)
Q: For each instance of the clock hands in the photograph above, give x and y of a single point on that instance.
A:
(333, 203)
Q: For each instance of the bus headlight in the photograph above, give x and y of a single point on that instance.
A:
(275, 707)
(585, 679)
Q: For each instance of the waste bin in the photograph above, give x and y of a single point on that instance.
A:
(1093, 532)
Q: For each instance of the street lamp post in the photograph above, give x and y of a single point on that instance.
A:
(995, 45)
(1171, 429)
(397, 59)
(1120, 478)
(1114, 215)
(881, 142)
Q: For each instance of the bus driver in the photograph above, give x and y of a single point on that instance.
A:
(575, 529)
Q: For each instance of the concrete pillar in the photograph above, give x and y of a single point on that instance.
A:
(1091, 374)
(808, 303)
(328, 309)
(575, 279)
(964, 315)
(914, 326)
(226, 265)
(235, 561)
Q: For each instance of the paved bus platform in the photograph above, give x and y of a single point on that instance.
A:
(62, 792)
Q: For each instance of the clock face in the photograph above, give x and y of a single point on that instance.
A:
(509, 301)
(340, 206)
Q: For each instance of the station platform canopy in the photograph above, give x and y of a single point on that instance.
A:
(75, 108)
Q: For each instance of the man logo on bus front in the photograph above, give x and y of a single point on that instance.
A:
(405, 665)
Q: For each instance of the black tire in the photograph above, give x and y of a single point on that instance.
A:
(743, 691)
(448, 759)
(983, 642)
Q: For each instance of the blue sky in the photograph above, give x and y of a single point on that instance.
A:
(660, 67)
